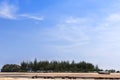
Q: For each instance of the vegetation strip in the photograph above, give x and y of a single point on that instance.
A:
(53, 66)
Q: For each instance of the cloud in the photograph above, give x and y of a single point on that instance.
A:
(72, 20)
(75, 20)
(8, 11)
(93, 38)
(70, 32)
(31, 17)
(108, 30)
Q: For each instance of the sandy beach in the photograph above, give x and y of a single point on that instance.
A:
(39, 79)
(79, 76)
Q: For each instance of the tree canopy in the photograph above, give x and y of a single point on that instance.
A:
(11, 68)
(50, 66)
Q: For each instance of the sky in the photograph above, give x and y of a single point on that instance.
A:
(80, 30)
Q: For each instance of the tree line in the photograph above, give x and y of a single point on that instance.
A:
(50, 66)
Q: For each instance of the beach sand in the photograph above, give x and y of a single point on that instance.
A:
(39, 79)
(84, 76)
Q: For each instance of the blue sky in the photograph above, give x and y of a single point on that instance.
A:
(80, 30)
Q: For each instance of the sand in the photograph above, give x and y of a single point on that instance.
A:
(28, 76)
(39, 79)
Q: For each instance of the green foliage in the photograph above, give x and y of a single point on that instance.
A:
(10, 68)
(24, 66)
(53, 66)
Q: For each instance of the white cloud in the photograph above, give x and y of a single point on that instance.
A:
(114, 17)
(31, 17)
(75, 20)
(69, 35)
(7, 11)
(72, 20)
(109, 30)
(81, 38)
